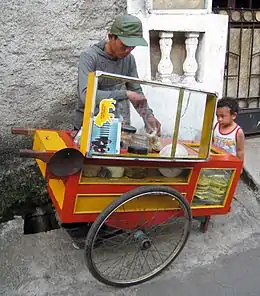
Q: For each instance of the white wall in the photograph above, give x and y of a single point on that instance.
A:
(164, 102)
(210, 57)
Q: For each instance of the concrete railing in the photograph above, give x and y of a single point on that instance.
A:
(190, 66)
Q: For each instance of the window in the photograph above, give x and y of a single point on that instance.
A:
(252, 4)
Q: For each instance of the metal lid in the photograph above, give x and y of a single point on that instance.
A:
(129, 129)
(137, 150)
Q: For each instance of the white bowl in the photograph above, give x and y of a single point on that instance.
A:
(181, 151)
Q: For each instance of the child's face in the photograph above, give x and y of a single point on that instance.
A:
(225, 118)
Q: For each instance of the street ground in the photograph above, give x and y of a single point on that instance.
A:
(222, 260)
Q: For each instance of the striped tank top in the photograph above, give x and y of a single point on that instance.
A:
(228, 141)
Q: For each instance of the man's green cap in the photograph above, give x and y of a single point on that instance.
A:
(129, 30)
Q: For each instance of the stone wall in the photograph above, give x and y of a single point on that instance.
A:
(39, 50)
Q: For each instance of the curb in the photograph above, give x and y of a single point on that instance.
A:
(249, 180)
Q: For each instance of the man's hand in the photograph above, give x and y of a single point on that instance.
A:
(152, 124)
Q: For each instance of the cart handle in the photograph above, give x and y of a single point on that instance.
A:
(23, 131)
(45, 156)
(62, 163)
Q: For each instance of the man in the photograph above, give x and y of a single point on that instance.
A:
(114, 56)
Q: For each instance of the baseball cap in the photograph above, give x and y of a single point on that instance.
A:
(129, 30)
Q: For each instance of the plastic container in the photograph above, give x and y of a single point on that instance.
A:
(116, 172)
(127, 133)
(139, 140)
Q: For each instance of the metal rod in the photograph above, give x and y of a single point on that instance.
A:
(150, 82)
(22, 131)
(250, 59)
(177, 123)
(206, 134)
(232, 4)
(258, 89)
(239, 61)
(45, 156)
(227, 58)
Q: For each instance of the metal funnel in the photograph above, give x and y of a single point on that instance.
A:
(66, 162)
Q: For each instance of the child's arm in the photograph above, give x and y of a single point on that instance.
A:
(240, 144)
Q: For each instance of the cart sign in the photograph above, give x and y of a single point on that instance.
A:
(104, 114)
(113, 128)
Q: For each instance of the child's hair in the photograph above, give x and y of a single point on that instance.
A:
(230, 103)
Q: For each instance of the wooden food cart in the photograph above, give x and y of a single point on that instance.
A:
(140, 202)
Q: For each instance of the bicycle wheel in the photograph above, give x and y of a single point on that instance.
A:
(138, 235)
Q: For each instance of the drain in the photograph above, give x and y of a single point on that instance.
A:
(247, 178)
(77, 230)
(41, 219)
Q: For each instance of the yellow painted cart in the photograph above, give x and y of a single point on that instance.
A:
(139, 202)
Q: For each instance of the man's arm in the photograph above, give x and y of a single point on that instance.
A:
(87, 64)
(240, 144)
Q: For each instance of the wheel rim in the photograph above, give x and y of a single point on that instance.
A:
(138, 252)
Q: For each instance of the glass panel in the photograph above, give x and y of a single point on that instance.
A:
(102, 174)
(178, 4)
(212, 187)
(115, 119)
(196, 148)
(191, 120)
(121, 125)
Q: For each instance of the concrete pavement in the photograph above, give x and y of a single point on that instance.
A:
(223, 261)
(46, 264)
(252, 160)
(236, 275)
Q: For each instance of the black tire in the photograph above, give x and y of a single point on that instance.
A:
(90, 240)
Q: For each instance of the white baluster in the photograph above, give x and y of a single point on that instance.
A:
(148, 6)
(190, 65)
(165, 66)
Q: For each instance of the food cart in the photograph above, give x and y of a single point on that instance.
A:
(139, 192)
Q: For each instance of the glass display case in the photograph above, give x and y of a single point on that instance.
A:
(212, 187)
(115, 128)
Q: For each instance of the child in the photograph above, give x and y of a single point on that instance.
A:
(227, 134)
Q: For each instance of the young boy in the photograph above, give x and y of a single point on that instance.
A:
(227, 134)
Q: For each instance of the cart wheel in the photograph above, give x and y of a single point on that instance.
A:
(204, 225)
(141, 237)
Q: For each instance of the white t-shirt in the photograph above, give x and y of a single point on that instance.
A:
(228, 141)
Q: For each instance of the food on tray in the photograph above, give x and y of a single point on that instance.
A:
(90, 170)
(212, 188)
(202, 191)
(116, 172)
(154, 142)
(136, 173)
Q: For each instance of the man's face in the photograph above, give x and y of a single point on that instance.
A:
(118, 48)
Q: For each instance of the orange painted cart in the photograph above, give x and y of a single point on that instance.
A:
(140, 202)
